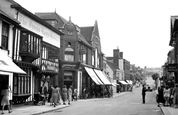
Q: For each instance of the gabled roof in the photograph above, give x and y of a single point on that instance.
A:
(52, 15)
(112, 65)
(87, 32)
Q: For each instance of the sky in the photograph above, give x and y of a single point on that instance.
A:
(139, 28)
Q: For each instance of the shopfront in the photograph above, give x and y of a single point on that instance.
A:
(69, 74)
(7, 69)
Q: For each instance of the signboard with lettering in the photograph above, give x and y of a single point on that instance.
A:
(48, 35)
(82, 51)
(48, 66)
(69, 65)
(172, 67)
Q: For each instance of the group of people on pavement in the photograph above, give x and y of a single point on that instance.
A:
(97, 92)
(56, 95)
(167, 96)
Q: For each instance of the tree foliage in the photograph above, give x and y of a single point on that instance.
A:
(155, 76)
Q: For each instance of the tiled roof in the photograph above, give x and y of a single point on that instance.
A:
(52, 15)
(112, 65)
(87, 32)
(82, 38)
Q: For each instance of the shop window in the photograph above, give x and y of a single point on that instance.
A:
(21, 83)
(5, 35)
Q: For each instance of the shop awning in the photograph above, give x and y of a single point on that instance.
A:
(93, 76)
(114, 84)
(7, 65)
(129, 82)
(102, 77)
(123, 82)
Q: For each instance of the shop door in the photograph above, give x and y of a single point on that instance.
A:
(68, 77)
(4, 80)
(68, 83)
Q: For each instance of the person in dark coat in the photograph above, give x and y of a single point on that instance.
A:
(49, 94)
(143, 94)
(160, 99)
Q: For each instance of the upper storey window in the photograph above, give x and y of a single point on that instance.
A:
(69, 53)
(5, 35)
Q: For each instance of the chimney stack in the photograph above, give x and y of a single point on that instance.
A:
(121, 55)
(116, 56)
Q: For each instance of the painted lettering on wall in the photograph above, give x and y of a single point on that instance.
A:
(47, 34)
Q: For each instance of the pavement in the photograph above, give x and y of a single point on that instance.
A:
(169, 110)
(39, 109)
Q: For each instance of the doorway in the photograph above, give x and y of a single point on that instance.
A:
(68, 83)
(4, 80)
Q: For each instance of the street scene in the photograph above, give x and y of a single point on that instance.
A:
(126, 103)
(88, 57)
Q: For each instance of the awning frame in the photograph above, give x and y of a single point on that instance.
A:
(102, 77)
(93, 75)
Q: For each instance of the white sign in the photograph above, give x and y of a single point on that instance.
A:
(48, 35)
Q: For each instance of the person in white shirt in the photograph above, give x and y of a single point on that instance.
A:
(166, 95)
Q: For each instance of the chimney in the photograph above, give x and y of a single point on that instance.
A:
(116, 56)
(121, 55)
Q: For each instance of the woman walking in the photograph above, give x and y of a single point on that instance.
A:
(5, 98)
(175, 94)
(64, 94)
(55, 94)
(69, 92)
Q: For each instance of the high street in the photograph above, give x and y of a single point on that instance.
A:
(129, 103)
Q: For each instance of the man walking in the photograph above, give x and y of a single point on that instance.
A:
(143, 93)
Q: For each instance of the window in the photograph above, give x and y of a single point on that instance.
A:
(5, 35)
(30, 43)
(69, 53)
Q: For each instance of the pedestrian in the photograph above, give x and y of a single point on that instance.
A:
(55, 94)
(166, 95)
(5, 99)
(45, 92)
(64, 94)
(75, 94)
(69, 94)
(160, 96)
(85, 93)
(49, 94)
(143, 93)
(175, 96)
(171, 96)
(59, 95)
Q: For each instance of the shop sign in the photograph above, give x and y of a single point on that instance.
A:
(48, 35)
(69, 66)
(49, 66)
(172, 67)
(82, 51)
